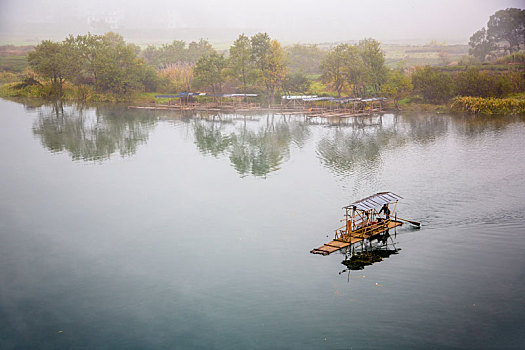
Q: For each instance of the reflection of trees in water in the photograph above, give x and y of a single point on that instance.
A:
(209, 137)
(353, 145)
(30, 103)
(474, 125)
(357, 146)
(421, 128)
(425, 128)
(342, 151)
(260, 152)
(89, 134)
(252, 149)
(299, 132)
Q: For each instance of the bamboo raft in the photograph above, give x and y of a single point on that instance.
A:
(338, 244)
(364, 221)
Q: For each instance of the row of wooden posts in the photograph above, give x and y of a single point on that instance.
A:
(312, 107)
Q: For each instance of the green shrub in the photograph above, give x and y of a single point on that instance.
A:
(8, 77)
(477, 83)
(515, 58)
(490, 106)
(434, 86)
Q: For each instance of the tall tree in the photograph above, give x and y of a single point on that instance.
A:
(275, 71)
(335, 66)
(176, 52)
(260, 48)
(397, 86)
(480, 45)
(208, 72)
(117, 66)
(106, 62)
(166, 55)
(304, 58)
(296, 83)
(173, 53)
(508, 25)
(374, 63)
(239, 62)
(503, 26)
(355, 73)
(197, 49)
(87, 47)
(269, 60)
(54, 61)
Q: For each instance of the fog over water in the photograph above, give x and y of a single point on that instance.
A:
(288, 21)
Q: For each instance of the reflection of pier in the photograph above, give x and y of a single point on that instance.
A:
(373, 120)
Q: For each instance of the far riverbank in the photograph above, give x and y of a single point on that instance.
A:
(473, 105)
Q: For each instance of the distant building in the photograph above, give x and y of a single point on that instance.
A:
(104, 22)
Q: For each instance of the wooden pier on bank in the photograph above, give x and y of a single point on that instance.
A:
(201, 108)
(309, 106)
(332, 107)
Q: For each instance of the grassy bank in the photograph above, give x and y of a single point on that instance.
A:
(13, 63)
(85, 93)
(416, 104)
(82, 93)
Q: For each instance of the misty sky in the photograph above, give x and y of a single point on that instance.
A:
(453, 21)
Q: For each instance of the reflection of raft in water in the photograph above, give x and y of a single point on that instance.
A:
(359, 260)
(365, 219)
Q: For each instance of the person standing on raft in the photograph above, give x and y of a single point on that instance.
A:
(385, 210)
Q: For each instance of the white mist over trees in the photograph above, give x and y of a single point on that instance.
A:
(305, 21)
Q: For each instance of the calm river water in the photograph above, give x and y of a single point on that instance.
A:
(125, 229)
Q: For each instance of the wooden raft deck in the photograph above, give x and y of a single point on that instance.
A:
(335, 245)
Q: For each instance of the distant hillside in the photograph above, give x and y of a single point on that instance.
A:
(13, 58)
(431, 54)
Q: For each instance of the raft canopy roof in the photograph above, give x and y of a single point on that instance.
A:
(374, 201)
